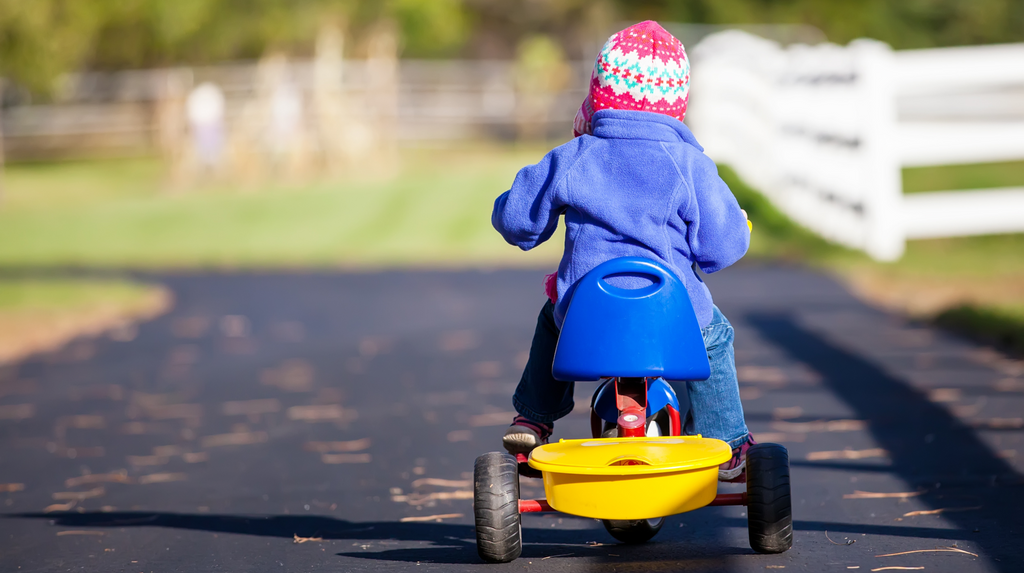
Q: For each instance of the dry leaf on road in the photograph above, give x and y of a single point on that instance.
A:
(233, 439)
(327, 447)
(345, 458)
(140, 461)
(787, 413)
(820, 426)
(492, 419)
(79, 495)
(848, 454)
(941, 549)
(441, 482)
(17, 412)
(430, 517)
(421, 499)
(162, 478)
(857, 494)
(460, 436)
(60, 506)
(321, 413)
(120, 476)
(251, 407)
(940, 510)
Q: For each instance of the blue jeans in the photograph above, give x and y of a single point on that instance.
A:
(715, 408)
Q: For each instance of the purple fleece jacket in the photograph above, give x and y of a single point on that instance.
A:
(641, 186)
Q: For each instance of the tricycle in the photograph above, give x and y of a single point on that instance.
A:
(637, 467)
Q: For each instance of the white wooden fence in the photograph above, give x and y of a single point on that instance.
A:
(825, 130)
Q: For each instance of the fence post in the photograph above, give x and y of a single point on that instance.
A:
(883, 193)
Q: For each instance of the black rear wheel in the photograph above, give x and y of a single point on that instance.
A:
(499, 532)
(769, 506)
(633, 531)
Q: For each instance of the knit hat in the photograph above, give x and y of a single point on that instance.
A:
(641, 68)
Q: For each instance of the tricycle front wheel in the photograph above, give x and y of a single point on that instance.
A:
(633, 530)
(499, 531)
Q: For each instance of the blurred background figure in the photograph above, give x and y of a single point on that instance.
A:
(380, 107)
(205, 112)
(286, 118)
(275, 122)
(328, 100)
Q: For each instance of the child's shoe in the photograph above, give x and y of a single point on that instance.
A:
(735, 470)
(524, 434)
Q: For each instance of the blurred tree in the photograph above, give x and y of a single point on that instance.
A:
(41, 38)
(159, 32)
(580, 26)
(431, 28)
(903, 24)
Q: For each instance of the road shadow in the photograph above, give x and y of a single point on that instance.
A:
(930, 448)
(835, 527)
(447, 543)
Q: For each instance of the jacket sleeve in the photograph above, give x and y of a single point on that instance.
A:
(527, 214)
(717, 231)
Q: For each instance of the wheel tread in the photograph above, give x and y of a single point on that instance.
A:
(496, 507)
(770, 508)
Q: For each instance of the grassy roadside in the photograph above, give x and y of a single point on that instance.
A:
(37, 315)
(435, 213)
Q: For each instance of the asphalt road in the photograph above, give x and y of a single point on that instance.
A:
(290, 422)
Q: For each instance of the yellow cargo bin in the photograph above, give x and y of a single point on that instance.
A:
(630, 478)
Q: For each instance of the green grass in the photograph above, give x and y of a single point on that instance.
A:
(974, 176)
(76, 183)
(119, 214)
(32, 295)
(993, 256)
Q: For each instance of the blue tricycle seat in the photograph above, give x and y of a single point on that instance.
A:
(611, 331)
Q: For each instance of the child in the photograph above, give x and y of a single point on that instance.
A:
(633, 182)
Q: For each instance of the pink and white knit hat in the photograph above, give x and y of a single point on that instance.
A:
(641, 68)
